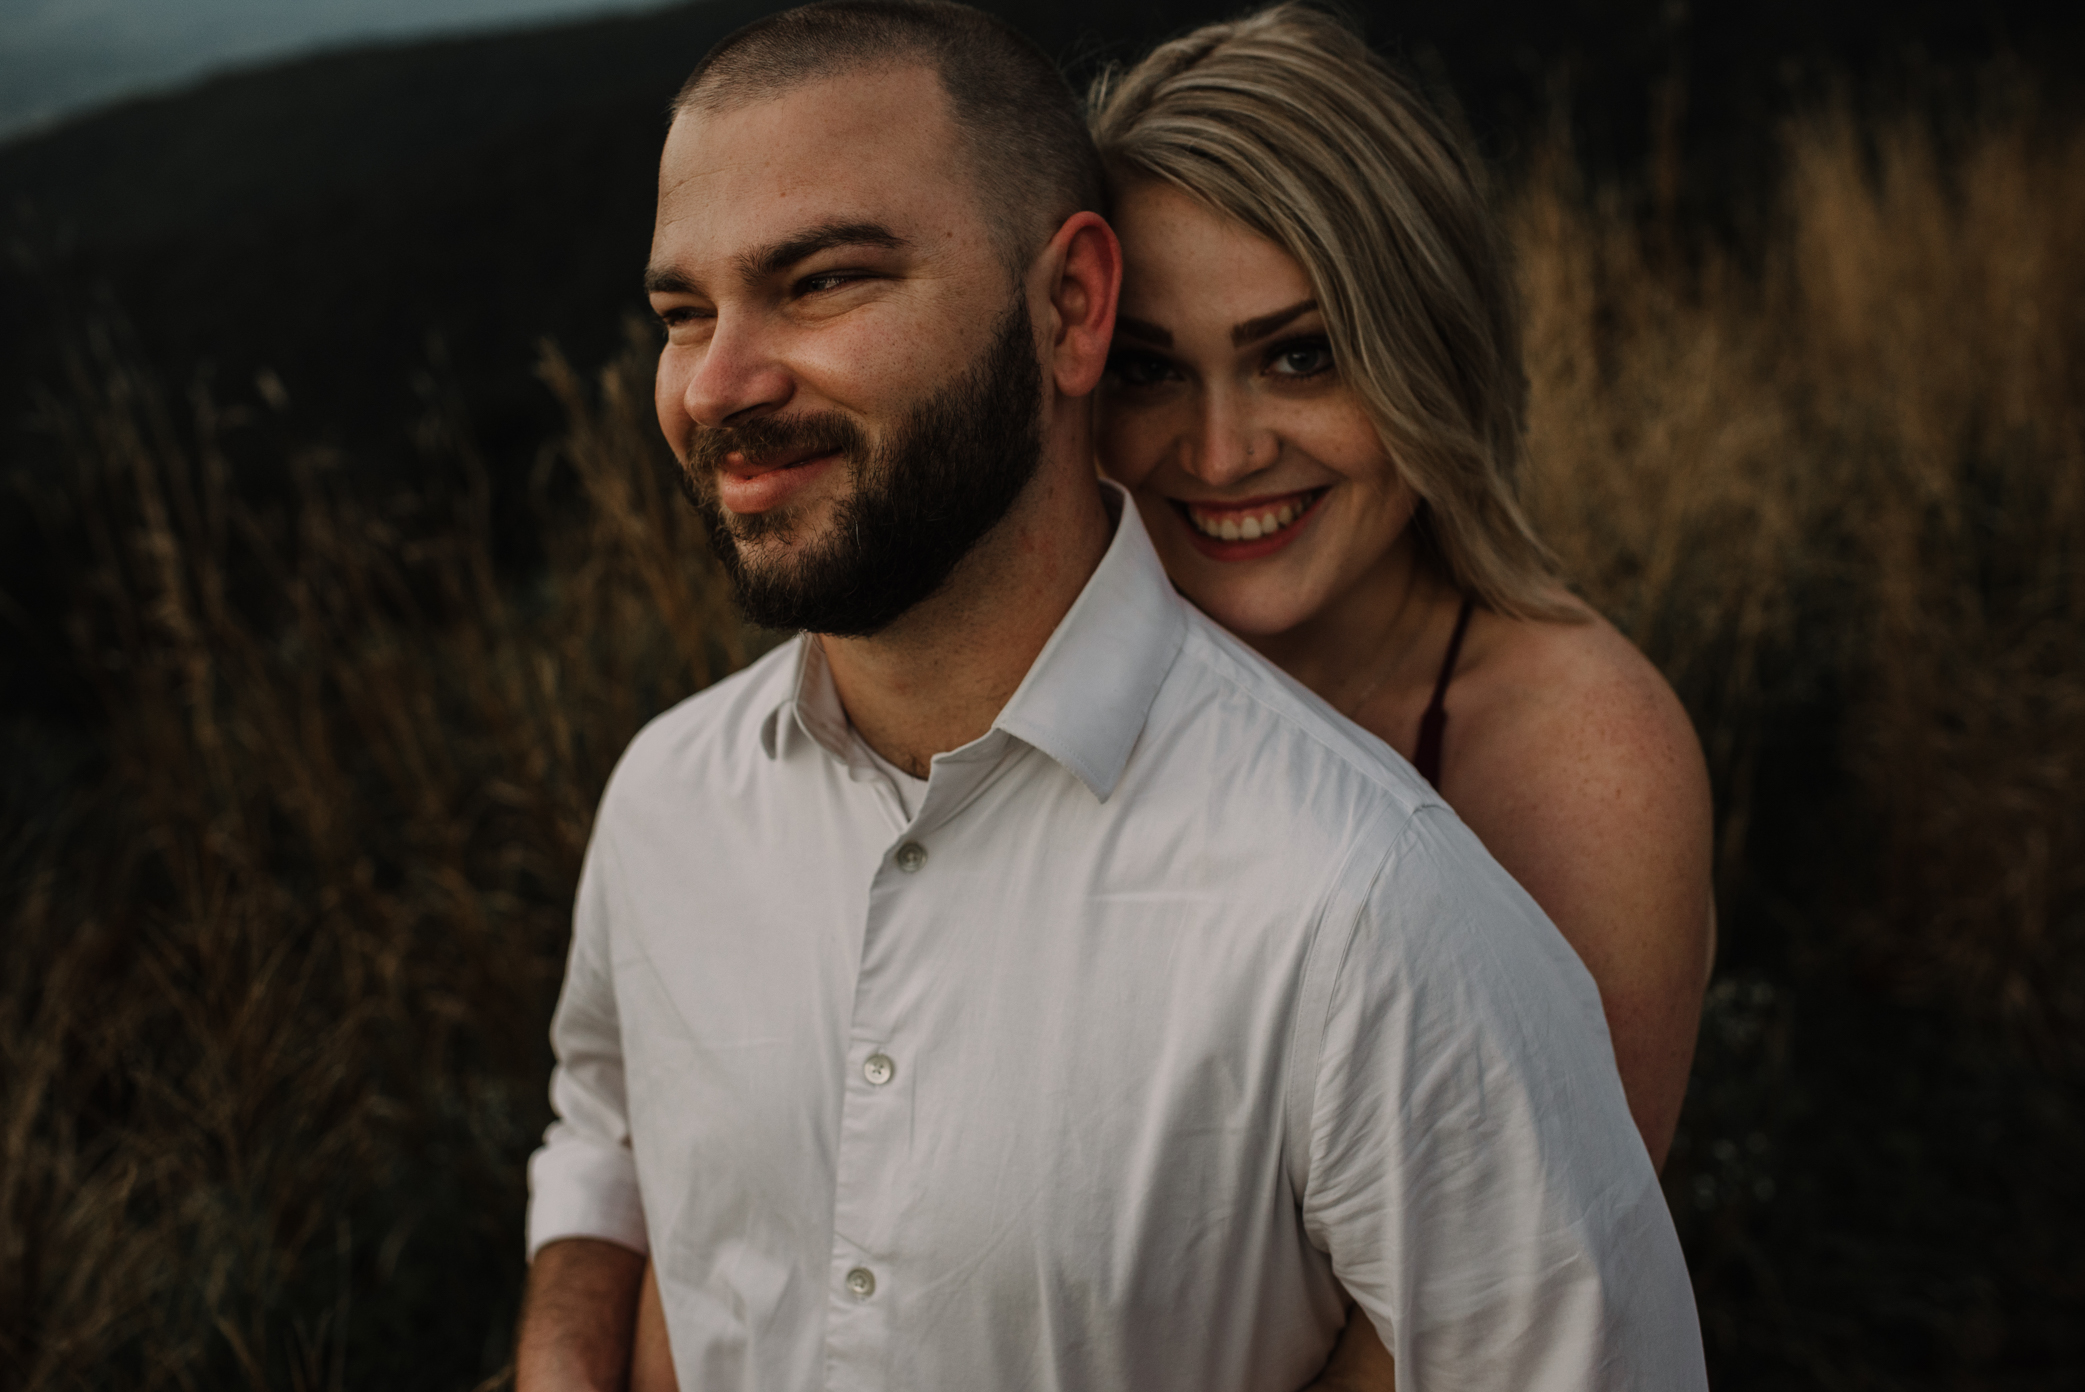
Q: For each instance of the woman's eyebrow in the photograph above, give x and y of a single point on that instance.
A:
(1253, 330)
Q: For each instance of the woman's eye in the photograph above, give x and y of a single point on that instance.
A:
(1134, 369)
(1302, 359)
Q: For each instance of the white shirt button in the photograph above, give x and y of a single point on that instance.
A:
(911, 856)
(879, 1069)
(861, 1282)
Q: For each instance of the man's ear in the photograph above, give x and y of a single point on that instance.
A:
(1084, 263)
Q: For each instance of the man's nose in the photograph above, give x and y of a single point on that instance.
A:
(739, 376)
(1230, 444)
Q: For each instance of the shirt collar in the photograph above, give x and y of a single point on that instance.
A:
(811, 708)
(1088, 692)
(1085, 699)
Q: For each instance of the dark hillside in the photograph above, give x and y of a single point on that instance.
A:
(323, 217)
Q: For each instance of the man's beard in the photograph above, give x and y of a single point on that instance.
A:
(920, 503)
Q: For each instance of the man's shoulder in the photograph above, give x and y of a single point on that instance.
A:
(1274, 783)
(1289, 729)
(724, 721)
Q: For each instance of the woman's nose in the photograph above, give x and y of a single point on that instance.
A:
(1230, 446)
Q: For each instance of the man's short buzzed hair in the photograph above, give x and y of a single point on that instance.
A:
(1021, 128)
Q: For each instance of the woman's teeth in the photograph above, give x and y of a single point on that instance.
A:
(1229, 524)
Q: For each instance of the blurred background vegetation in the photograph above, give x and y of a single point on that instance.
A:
(332, 591)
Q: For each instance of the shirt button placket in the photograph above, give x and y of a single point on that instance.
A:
(875, 1122)
(873, 1126)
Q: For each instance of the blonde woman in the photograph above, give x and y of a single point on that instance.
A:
(1315, 398)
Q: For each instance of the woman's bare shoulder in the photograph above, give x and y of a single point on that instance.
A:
(1545, 710)
(1578, 768)
(1573, 761)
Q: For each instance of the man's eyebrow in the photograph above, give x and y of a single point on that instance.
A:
(664, 280)
(1150, 333)
(780, 256)
(1253, 330)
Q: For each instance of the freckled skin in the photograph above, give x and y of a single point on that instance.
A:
(1565, 750)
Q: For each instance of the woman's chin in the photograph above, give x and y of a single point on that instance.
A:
(1253, 610)
(1255, 598)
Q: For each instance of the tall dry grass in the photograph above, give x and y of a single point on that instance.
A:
(1856, 473)
(272, 1022)
(1836, 488)
(275, 984)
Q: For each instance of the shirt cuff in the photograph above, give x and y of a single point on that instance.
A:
(582, 1188)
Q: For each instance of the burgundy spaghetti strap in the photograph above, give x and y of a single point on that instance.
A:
(1435, 722)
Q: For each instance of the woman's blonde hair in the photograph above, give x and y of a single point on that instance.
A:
(1287, 122)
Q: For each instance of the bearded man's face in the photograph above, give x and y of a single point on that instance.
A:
(851, 383)
(920, 494)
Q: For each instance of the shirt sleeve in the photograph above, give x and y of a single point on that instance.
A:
(1474, 1173)
(583, 1179)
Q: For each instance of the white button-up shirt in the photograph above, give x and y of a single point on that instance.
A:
(1176, 997)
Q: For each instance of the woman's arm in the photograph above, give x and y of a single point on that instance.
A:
(1577, 767)
(1591, 790)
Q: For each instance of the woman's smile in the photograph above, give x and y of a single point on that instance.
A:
(1263, 479)
(1246, 529)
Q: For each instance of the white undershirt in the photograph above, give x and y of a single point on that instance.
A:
(911, 791)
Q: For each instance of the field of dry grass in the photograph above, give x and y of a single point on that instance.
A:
(1859, 467)
(275, 978)
(1837, 490)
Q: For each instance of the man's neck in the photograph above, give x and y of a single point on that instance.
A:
(937, 678)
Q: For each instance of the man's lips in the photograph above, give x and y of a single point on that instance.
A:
(1245, 529)
(744, 465)
(758, 483)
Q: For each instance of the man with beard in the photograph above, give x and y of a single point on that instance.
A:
(1013, 981)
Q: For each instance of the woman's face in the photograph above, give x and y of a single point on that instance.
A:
(1258, 473)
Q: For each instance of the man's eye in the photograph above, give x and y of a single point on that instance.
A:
(1303, 358)
(1135, 369)
(679, 315)
(829, 280)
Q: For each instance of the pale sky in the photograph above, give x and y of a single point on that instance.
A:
(59, 57)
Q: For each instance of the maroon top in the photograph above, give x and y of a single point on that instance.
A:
(1435, 722)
